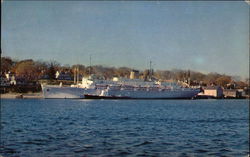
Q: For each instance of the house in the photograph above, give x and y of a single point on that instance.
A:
(232, 93)
(4, 81)
(45, 77)
(134, 74)
(213, 91)
(245, 92)
(63, 76)
(11, 78)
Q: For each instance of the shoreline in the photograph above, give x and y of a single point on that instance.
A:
(22, 95)
(40, 96)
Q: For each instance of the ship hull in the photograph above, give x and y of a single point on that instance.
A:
(88, 96)
(169, 94)
(57, 92)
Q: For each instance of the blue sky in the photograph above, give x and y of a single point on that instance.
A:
(202, 36)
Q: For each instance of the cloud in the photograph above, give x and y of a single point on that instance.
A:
(248, 2)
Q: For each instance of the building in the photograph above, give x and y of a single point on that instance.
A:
(213, 91)
(4, 81)
(63, 76)
(232, 93)
(10, 77)
(134, 74)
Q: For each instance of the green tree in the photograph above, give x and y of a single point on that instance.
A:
(52, 72)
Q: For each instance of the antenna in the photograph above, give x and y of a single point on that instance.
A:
(189, 77)
(89, 65)
(150, 70)
(150, 66)
(74, 75)
(77, 74)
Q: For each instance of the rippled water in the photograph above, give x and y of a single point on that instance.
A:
(37, 127)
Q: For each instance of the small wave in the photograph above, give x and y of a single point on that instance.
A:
(88, 146)
(132, 134)
(33, 143)
(144, 143)
(71, 123)
(201, 151)
(225, 150)
(168, 144)
(51, 149)
(122, 152)
(6, 150)
(221, 134)
(184, 155)
(125, 118)
(61, 138)
(105, 143)
(208, 120)
(66, 118)
(3, 122)
(50, 137)
(55, 123)
(80, 150)
(144, 154)
(93, 118)
(37, 142)
(17, 130)
(216, 140)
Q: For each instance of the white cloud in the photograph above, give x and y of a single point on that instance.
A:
(248, 2)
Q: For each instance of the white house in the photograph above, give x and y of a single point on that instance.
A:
(214, 91)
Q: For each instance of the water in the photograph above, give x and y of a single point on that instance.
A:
(37, 127)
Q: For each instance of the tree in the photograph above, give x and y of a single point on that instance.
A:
(6, 64)
(241, 84)
(223, 81)
(123, 72)
(26, 69)
(163, 75)
(211, 78)
(52, 72)
(197, 76)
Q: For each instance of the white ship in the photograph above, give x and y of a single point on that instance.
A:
(138, 89)
(67, 92)
(87, 86)
(120, 89)
(57, 92)
(75, 91)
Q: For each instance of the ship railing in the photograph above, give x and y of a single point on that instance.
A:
(101, 86)
(138, 87)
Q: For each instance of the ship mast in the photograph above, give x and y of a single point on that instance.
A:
(77, 72)
(74, 75)
(89, 65)
(189, 78)
(150, 70)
